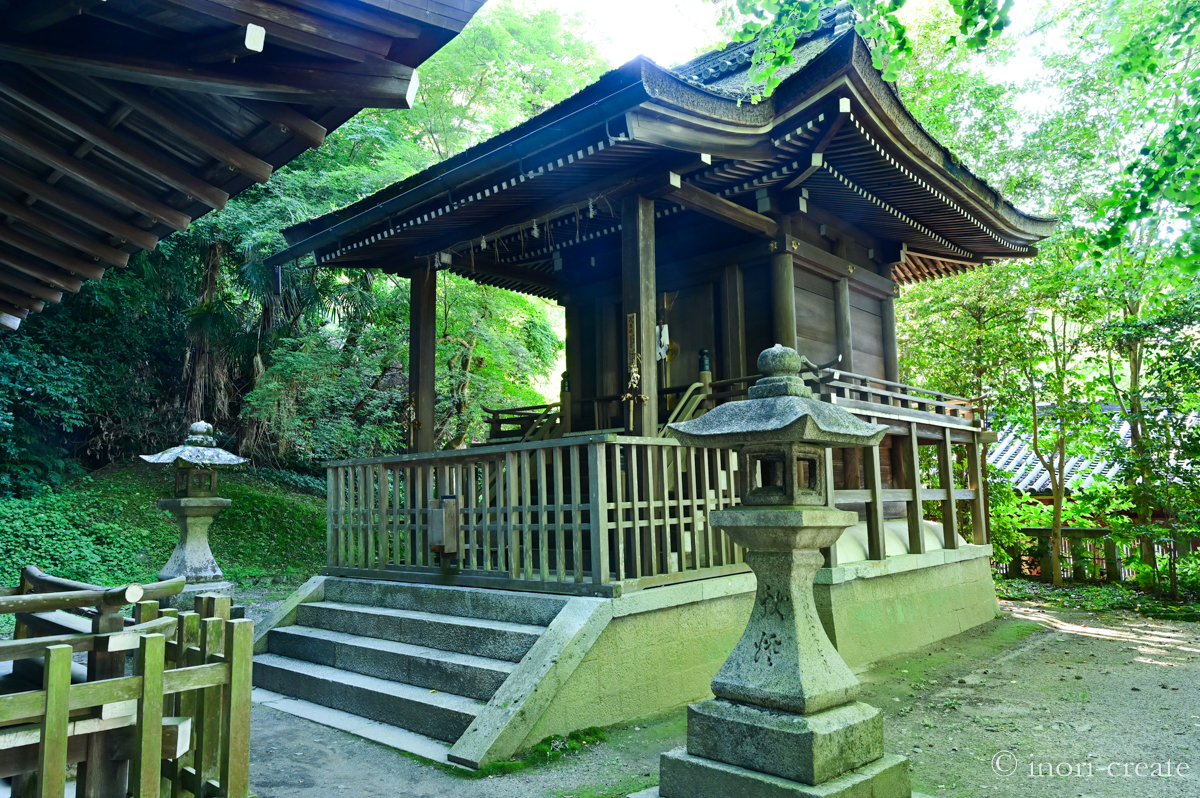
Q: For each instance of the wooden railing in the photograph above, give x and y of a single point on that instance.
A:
(578, 514)
(182, 721)
(833, 384)
(522, 424)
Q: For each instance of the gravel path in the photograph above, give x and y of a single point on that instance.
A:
(1082, 699)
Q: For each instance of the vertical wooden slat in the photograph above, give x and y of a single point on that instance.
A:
(543, 543)
(672, 532)
(950, 538)
(975, 483)
(576, 513)
(620, 484)
(485, 507)
(680, 499)
(339, 514)
(381, 552)
(473, 523)
(912, 480)
(146, 774)
(235, 753)
(829, 552)
(330, 510)
(512, 482)
(699, 517)
(560, 532)
(598, 494)
(428, 495)
(52, 755)
(374, 495)
(876, 545)
(653, 553)
(701, 502)
(526, 515)
(187, 640)
(208, 704)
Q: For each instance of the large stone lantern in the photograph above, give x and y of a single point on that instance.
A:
(785, 720)
(195, 506)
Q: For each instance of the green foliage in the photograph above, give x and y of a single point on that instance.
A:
(1093, 598)
(106, 529)
(194, 329)
(551, 749)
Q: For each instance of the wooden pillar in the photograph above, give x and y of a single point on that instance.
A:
(891, 349)
(783, 299)
(422, 354)
(876, 546)
(851, 458)
(101, 776)
(841, 317)
(639, 294)
(950, 538)
(574, 353)
(975, 483)
(733, 323)
(912, 481)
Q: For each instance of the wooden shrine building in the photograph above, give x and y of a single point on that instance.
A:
(122, 121)
(684, 230)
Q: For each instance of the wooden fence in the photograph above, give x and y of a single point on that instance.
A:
(1086, 554)
(577, 514)
(180, 725)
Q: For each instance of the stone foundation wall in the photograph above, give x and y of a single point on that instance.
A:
(663, 646)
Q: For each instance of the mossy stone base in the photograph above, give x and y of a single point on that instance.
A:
(811, 749)
(685, 776)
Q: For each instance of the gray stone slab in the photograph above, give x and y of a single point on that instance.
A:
(811, 749)
(685, 776)
(420, 666)
(469, 602)
(443, 716)
(480, 637)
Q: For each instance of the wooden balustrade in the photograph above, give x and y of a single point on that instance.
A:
(575, 514)
(182, 721)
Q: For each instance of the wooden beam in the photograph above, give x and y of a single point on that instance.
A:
(228, 46)
(29, 287)
(290, 121)
(818, 158)
(950, 538)
(876, 535)
(360, 17)
(979, 504)
(842, 327)
(96, 178)
(21, 301)
(733, 323)
(375, 83)
(49, 254)
(45, 274)
(291, 26)
(697, 199)
(111, 141)
(639, 298)
(73, 206)
(891, 348)
(64, 234)
(40, 14)
(9, 322)
(207, 141)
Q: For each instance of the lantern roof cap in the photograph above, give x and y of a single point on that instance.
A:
(781, 409)
(198, 449)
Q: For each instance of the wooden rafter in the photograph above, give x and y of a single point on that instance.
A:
(49, 254)
(79, 241)
(46, 274)
(290, 121)
(43, 14)
(232, 156)
(672, 187)
(109, 140)
(84, 211)
(30, 287)
(229, 45)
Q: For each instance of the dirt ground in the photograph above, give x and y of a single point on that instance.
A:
(1041, 702)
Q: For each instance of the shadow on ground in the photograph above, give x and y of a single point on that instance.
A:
(1040, 702)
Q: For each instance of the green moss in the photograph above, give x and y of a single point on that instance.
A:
(1098, 598)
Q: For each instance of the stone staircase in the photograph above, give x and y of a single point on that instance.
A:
(425, 658)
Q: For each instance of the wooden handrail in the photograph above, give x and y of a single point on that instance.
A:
(125, 640)
(56, 593)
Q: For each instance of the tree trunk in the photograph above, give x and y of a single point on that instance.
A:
(1056, 537)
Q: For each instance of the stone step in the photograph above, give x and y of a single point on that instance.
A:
(420, 666)
(466, 602)
(442, 716)
(479, 637)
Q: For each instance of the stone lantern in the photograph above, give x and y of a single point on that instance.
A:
(195, 506)
(785, 720)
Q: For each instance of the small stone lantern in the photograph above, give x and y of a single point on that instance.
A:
(785, 720)
(195, 506)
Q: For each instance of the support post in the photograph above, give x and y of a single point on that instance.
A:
(950, 538)
(783, 299)
(100, 776)
(876, 545)
(422, 354)
(733, 323)
(891, 349)
(975, 483)
(598, 510)
(841, 317)
(1112, 563)
(912, 481)
(639, 294)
